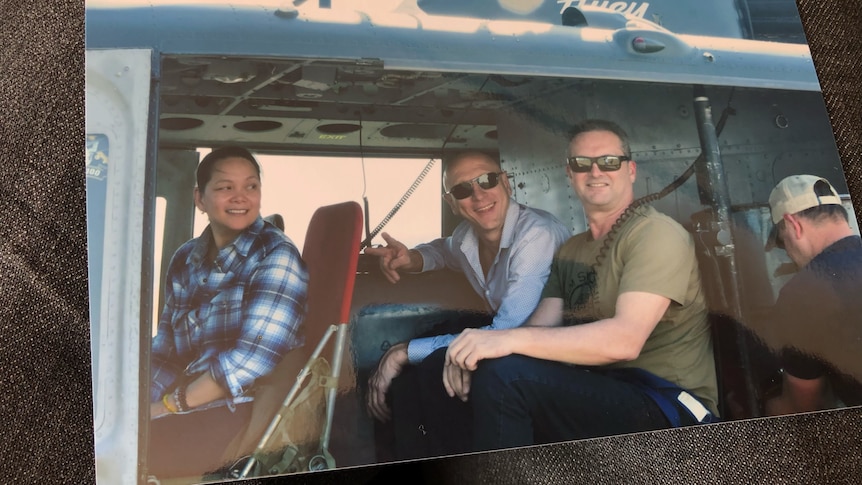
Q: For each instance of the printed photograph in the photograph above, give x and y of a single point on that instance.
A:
(337, 233)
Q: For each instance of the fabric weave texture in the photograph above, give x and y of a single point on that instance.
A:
(46, 403)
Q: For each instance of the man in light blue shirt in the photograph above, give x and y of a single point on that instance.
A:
(502, 247)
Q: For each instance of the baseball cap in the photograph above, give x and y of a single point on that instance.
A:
(795, 194)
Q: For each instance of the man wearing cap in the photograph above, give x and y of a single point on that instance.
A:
(817, 321)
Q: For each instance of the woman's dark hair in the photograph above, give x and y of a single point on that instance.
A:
(205, 168)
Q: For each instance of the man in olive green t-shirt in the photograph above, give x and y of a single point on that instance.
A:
(621, 317)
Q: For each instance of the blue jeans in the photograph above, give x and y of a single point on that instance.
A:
(519, 401)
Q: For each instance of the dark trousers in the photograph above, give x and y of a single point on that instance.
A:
(519, 401)
(190, 445)
(425, 420)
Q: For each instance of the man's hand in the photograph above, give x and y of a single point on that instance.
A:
(390, 366)
(456, 381)
(394, 257)
(800, 396)
(473, 345)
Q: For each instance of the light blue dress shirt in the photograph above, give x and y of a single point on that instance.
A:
(515, 279)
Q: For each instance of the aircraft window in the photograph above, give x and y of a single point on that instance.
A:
(159, 237)
(295, 186)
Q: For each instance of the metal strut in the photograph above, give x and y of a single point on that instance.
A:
(715, 181)
(319, 462)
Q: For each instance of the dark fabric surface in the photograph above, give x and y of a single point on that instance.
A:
(45, 404)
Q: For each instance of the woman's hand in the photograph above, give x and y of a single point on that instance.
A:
(158, 409)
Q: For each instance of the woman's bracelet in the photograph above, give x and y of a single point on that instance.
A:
(168, 404)
(180, 399)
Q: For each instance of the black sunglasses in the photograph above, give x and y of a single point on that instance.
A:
(606, 163)
(465, 189)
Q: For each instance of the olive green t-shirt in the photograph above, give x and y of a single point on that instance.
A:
(649, 253)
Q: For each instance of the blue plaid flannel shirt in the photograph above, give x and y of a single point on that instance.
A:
(235, 317)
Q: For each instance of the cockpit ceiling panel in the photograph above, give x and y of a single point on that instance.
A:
(292, 134)
(334, 102)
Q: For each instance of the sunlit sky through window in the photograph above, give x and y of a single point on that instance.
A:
(296, 186)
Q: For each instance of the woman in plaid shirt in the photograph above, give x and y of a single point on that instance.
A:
(234, 302)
